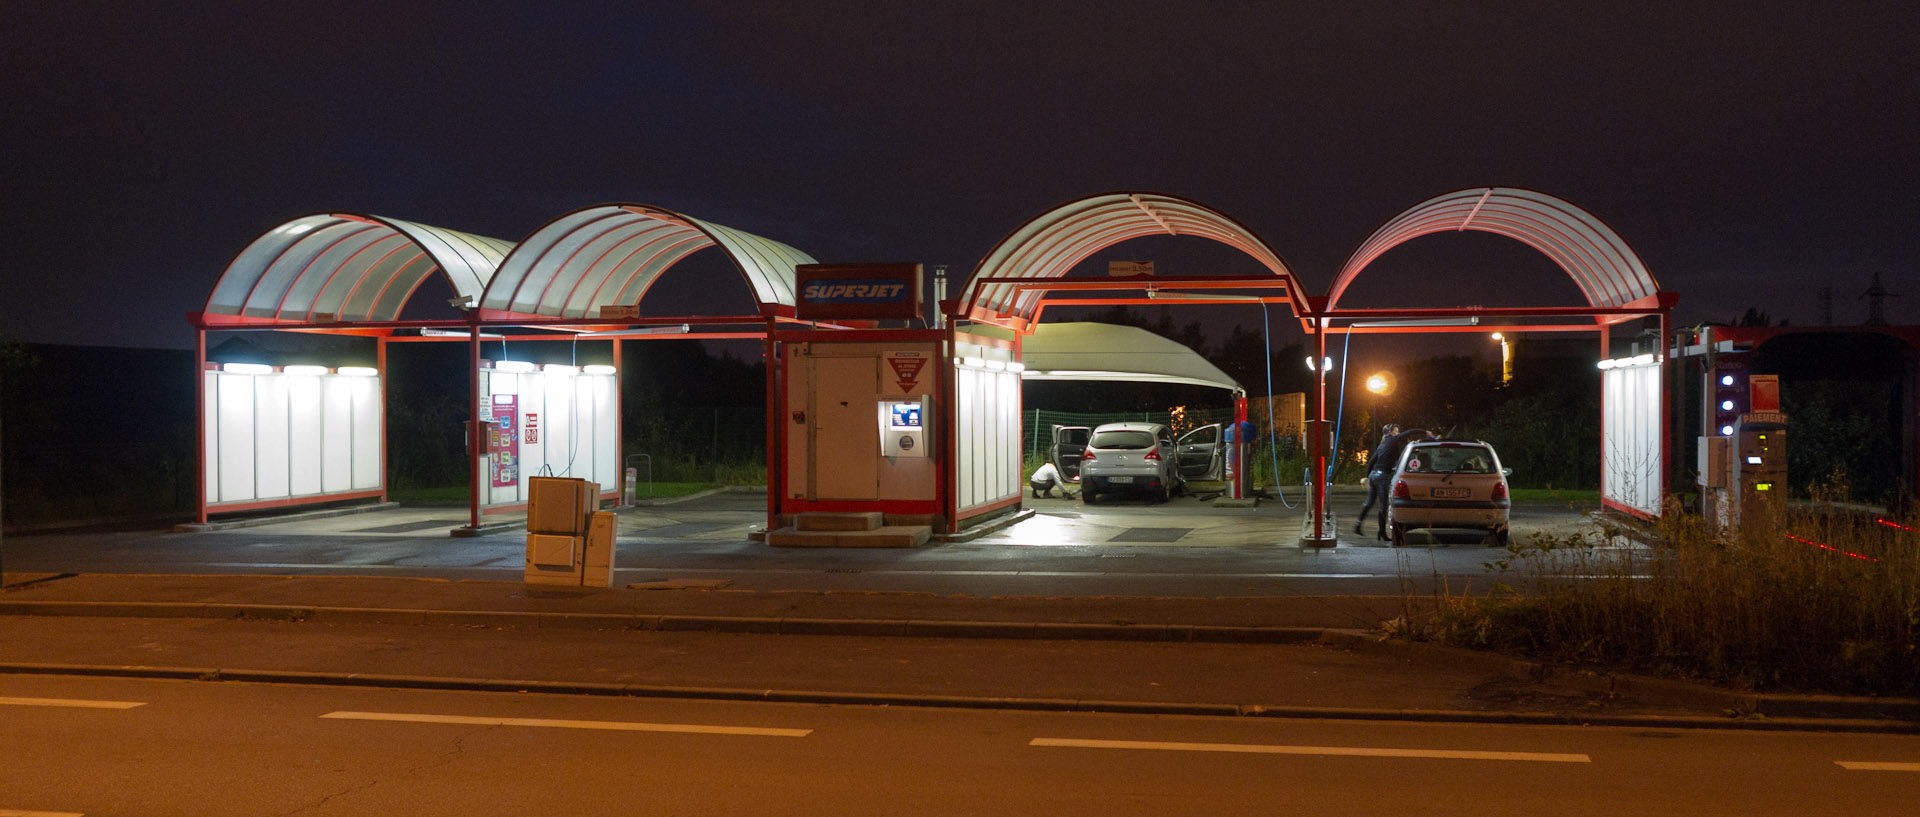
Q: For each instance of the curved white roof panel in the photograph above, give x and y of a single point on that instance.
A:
(1607, 271)
(1103, 351)
(1052, 243)
(611, 253)
(348, 267)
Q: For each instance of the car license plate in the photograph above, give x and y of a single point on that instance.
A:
(1120, 480)
(1451, 493)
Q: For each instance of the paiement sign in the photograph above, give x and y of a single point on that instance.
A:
(857, 291)
(1127, 269)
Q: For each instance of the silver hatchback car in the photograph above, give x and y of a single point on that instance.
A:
(1449, 484)
(1129, 458)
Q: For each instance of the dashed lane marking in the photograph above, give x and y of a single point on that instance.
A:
(1876, 766)
(614, 726)
(78, 703)
(1342, 751)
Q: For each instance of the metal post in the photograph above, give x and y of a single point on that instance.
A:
(1666, 410)
(1317, 438)
(776, 424)
(200, 424)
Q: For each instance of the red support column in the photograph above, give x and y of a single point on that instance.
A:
(1606, 351)
(944, 391)
(200, 424)
(1317, 442)
(474, 441)
(776, 426)
(1666, 409)
(380, 363)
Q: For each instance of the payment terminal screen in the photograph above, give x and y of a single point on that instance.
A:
(906, 415)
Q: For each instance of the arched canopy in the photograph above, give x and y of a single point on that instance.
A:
(347, 267)
(1607, 271)
(1052, 243)
(1082, 350)
(611, 253)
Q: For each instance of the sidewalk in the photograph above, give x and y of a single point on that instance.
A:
(1271, 656)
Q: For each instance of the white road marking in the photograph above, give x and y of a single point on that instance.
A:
(1343, 751)
(13, 812)
(616, 726)
(80, 703)
(1874, 766)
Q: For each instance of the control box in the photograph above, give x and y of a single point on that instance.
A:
(903, 425)
(1760, 461)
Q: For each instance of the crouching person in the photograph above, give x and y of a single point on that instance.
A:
(1045, 480)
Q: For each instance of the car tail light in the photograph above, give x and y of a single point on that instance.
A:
(1499, 490)
(1153, 455)
(1087, 455)
(1400, 490)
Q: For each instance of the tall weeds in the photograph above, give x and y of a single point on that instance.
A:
(1803, 600)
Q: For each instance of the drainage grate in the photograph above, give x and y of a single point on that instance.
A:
(1151, 535)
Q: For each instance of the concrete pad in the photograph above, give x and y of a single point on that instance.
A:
(821, 521)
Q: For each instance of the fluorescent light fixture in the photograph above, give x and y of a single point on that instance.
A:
(1326, 364)
(1726, 405)
(247, 368)
(358, 371)
(1188, 296)
(560, 368)
(665, 329)
(306, 370)
(513, 366)
(456, 333)
(997, 365)
(598, 368)
(1418, 322)
(1605, 364)
(1310, 366)
(1726, 431)
(975, 362)
(1726, 380)
(1016, 367)
(1643, 359)
(1498, 336)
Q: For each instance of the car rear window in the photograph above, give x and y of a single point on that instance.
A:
(1073, 436)
(1132, 440)
(1450, 459)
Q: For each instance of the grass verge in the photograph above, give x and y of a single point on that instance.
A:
(1798, 601)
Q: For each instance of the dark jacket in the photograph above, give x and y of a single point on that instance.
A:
(1386, 456)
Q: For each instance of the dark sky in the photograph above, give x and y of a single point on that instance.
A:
(1751, 152)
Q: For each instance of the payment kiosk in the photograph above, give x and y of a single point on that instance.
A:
(903, 427)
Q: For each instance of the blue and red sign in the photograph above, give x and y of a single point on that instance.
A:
(858, 291)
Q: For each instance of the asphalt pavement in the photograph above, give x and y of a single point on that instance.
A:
(699, 611)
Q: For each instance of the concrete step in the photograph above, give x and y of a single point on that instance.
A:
(822, 521)
(891, 536)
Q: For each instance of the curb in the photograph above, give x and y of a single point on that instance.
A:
(585, 688)
(764, 625)
(997, 523)
(257, 521)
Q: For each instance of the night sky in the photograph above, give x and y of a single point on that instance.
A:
(1751, 152)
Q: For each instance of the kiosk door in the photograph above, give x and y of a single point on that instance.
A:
(846, 449)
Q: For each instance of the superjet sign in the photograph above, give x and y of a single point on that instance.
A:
(858, 291)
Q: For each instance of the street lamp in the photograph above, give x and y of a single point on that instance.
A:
(1380, 383)
(1506, 358)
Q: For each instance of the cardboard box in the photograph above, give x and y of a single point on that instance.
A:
(554, 559)
(559, 505)
(603, 530)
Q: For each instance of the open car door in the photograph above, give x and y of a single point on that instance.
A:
(1069, 442)
(1201, 454)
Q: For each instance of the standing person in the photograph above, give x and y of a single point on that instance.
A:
(1380, 467)
(1376, 481)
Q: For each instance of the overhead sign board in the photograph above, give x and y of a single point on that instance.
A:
(1763, 392)
(1125, 269)
(620, 312)
(857, 291)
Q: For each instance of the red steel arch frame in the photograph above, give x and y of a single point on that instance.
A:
(391, 255)
(1011, 286)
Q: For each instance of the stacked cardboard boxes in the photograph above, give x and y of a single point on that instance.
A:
(557, 511)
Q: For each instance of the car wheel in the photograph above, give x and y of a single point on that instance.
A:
(1499, 538)
(1087, 495)
(1399, 536)
(1166, 493)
